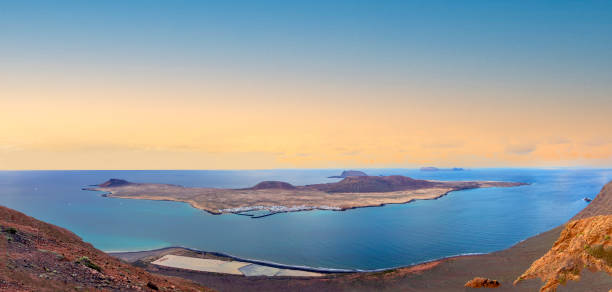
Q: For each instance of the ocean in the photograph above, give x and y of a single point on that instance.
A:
(463, 222)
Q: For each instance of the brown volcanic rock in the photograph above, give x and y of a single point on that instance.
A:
(371, 184)
(584, 243)
(479, 282)
(36, 256)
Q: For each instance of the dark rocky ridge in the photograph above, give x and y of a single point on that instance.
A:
(371, 184)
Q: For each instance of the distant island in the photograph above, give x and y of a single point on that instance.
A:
(348, 173)
(431, 168)
(271, 197)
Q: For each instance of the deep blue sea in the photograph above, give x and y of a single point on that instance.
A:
(463, 222)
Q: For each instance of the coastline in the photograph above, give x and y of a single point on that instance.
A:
(196, 205)
(272, 197)
(110, 194)
(149, 252)
(193, 204)
(146, 253)
(504, 265)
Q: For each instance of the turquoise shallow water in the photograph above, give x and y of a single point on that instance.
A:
(471, 221)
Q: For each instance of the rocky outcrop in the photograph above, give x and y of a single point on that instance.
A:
(480, 282)
(37, 256)
(584, 244)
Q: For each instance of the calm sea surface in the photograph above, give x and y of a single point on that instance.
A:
(472, 221)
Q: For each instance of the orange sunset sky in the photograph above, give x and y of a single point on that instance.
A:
(122, 86)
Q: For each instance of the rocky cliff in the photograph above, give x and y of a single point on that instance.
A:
(584, 243)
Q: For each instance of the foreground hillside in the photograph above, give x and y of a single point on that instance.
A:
(36, 256)
(583, 245)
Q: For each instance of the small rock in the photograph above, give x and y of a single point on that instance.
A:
(152, 286)
(479, 282)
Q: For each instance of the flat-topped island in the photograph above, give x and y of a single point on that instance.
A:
(271, 197)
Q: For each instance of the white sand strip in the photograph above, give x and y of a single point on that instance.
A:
(297, 273)
(228, 267)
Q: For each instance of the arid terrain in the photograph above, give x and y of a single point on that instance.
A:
(583, 245)
(275, 196)
(36, 256)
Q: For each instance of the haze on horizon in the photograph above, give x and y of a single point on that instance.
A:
(307, 84)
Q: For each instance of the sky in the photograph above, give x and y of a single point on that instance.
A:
(305, 84)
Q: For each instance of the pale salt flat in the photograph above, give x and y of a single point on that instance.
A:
(258, 270)
(204, 265)
(228, 267)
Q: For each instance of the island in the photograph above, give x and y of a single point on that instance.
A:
(348, 173)
(432, 168)
(271, 197)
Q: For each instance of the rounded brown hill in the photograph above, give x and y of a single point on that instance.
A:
(114, 182)
(266, 185)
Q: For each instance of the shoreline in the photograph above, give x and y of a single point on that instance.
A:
(456, 268)
(110, 194)
(145, 253)
(322, 270)
(274, 197)
(331, 271)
